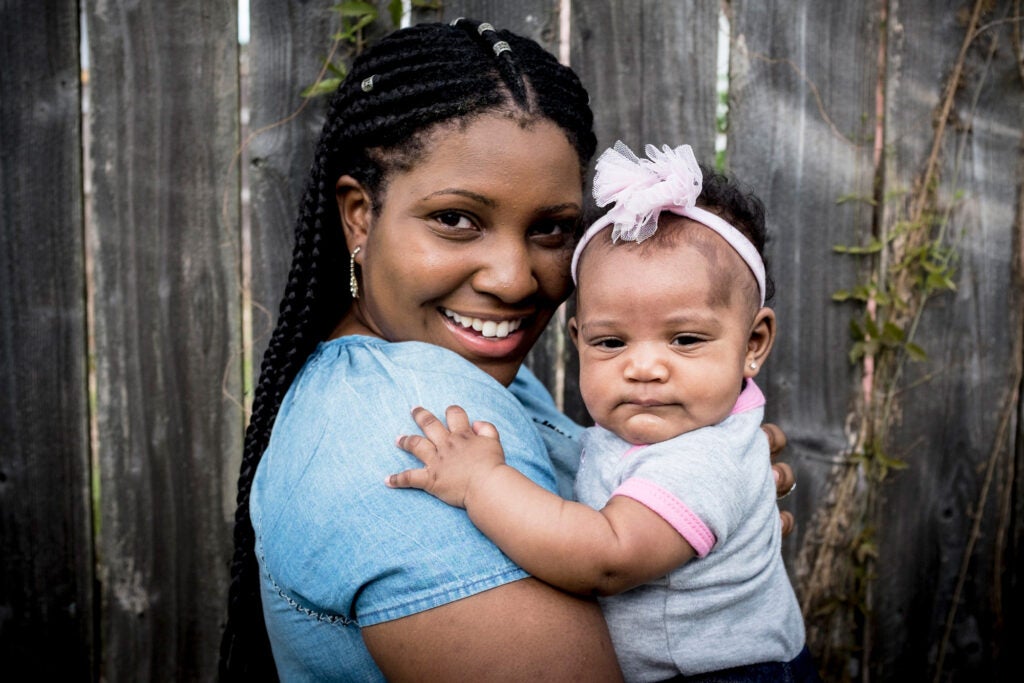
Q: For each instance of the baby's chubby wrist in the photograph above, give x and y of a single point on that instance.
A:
(484, 483)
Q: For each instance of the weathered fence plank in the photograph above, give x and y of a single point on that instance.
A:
(46, 576)
(164, 233)
(957, 411)
(800, 127)
(288, 44)
(650, 68)
(801, 133)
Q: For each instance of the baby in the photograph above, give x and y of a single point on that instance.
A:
(676, 527)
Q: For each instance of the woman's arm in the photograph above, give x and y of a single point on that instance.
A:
(520, 631)
(565, 543)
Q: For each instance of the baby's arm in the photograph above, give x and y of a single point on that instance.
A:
(564, 543)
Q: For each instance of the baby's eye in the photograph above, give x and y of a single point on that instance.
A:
(609, 343)
(686, 340)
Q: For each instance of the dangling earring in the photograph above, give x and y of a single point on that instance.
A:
(353, 284)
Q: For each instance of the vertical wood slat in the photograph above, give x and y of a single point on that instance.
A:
(800, 135)
(164, 121)
(46, 577)
(950, 414)
(650, 68)
(287, 46)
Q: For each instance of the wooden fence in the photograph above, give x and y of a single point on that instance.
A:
(133, 272)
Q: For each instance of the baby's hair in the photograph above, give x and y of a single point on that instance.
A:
(739, 206)
(400, 90)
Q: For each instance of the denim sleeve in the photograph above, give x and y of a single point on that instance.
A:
(334, 541)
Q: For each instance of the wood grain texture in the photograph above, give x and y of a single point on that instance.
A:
(801, 118)
(164, 105)
(950, 415)
(46, 601)
(650, 69)
(289, 42)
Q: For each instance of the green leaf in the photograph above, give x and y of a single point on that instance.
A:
(355, 8)
(856, 198)
(323, 87)
(841, 295)
(915, 352)
(395, 10)
(891, 333)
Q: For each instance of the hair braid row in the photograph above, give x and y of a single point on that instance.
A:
(396, 92)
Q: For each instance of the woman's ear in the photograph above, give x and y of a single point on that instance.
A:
(759, 344)
(355, 208)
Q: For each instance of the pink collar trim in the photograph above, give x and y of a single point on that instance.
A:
(750, 398)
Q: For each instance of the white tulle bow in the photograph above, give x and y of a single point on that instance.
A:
(642, 188)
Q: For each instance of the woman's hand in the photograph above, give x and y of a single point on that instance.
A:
(785, 482)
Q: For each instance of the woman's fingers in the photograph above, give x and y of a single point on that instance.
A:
(785, 481)
(788, 522)
(776, 438)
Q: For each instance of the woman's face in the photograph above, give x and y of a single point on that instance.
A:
(470, 249)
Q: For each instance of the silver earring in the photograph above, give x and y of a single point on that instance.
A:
(753, 365)
(353, 284)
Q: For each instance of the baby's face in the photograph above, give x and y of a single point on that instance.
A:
(663, 337)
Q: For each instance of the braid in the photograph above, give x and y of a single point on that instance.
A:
(398, 91)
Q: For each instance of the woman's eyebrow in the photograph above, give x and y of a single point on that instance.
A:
(555, 208)
(463, 193)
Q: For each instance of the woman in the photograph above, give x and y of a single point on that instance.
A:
(445, 192)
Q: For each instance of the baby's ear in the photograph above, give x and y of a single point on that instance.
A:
(355, 208)
(574, 332)
(760, 341)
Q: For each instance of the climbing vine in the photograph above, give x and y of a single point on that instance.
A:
(908, 259)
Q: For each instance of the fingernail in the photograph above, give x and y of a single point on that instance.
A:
(778, 476)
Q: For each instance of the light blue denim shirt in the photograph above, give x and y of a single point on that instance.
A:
(338, 549)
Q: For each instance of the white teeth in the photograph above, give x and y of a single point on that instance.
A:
(488, 328)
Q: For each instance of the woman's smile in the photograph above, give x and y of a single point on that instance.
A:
(486, 327)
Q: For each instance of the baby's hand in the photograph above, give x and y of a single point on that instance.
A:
(455, 458)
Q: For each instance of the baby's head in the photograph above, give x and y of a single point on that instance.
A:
(669, 327)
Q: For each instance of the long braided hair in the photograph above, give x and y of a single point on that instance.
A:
(397, 91)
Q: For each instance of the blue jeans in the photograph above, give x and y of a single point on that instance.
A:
(800, 669)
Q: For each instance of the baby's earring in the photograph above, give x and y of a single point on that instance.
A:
(353, 284)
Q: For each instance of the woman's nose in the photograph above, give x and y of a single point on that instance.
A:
(506, 272)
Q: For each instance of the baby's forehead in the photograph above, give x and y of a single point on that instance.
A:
(726, 270)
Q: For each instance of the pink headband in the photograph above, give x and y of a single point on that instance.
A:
(667, 180)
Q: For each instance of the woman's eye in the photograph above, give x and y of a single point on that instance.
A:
(554, 230)
(454, 220)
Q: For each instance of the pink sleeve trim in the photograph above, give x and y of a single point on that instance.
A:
(672, 510)
(750, 398)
